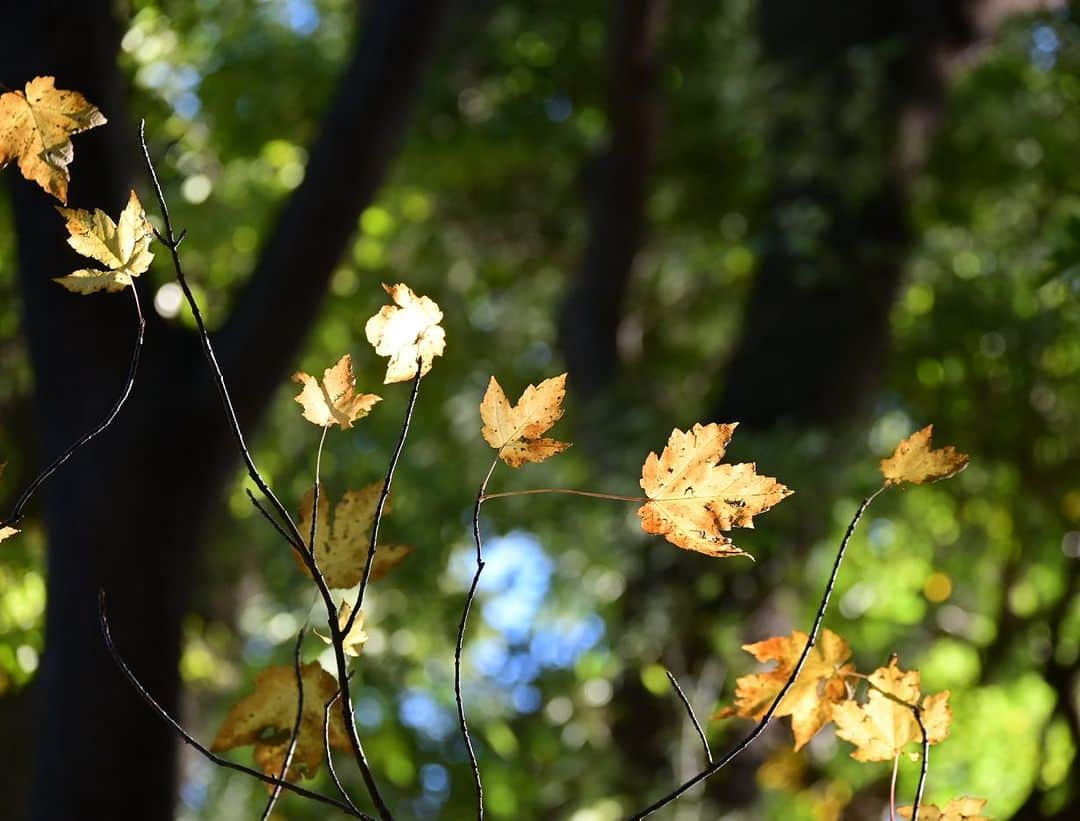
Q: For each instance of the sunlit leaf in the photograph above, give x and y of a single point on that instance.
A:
(36, 128)
(353, 641)
(959, 809)
(913, 461)
(516, 432)
(406, 331)
(123, 247)
(334, 401)
(694, 498)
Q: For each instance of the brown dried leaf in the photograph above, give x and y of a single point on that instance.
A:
(266, 718)
(407, 331)
(516, 432)
(123, 247)
(881, 728)
(36, 129)
(693, 497)
(335, 401)
(913, 461)
(822, 682)
(343, 540)
(959, 809)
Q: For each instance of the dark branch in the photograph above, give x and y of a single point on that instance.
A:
(765, 719)
(924, 766)
(190, 739)
(692, 715)
(18, 511)
(330, 758)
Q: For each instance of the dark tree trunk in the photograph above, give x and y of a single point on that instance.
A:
(616, 183)
(129, 513)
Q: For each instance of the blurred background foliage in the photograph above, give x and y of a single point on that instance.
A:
(973, 582)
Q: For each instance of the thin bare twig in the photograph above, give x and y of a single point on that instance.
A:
(924, 766)
(462, 722)
(18, 511)
(759, 728)
(690, 712)
(193, 742)
(291, 532)
(383, 496)
(326, 746)
(295, 737)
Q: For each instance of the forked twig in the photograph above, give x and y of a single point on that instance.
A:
(193, 742)
(759, 728)
(326, 746)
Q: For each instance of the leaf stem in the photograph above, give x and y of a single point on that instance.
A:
(892, 787)
(462, 721)
(18, 511)
(758, 729)
(567, 491)
(384, 495)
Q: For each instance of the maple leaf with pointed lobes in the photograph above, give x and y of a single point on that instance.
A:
(517, 432)
(342, 542)
(36, 128)
(959, 809)
(913, 461)
(881, 728)
(693, 498)
(353, 641)
(822, 682)
(407, 331)
(6, 532)
(335, 401)
(123, 247)
(267, 716)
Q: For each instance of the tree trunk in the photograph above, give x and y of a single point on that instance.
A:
(129, 513)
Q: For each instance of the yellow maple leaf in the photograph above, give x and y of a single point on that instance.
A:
(517, 432)
(123, 247)
(343, 540)
(335, 401)
(353, 641)
(881, 728)
(6, 532)
(822, 682)
(959, 809)
(693, 497)
(406, 332)
(913, 461)
(267, 716)
(36, 128)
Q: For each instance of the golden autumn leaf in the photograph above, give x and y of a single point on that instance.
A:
(881, 728)
(335, 401)
(353, 641)
(36, 128)
(342, 541)
(822, 682)
(123, 247)
(6, 532)
(693, 498)
(959, 809)
(266, 718)
(913, 461)
(517, 432)
(406, 331)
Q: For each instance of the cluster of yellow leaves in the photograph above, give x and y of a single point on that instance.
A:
(342, 541)
(36, 128)
(335, 401)
(267, 716)
(881, 727)
(959, 809)
(913, 461)
(6, 532)
(694, 497)
(826, 679)
(517, 432)
(407, 331)
(123, 247)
